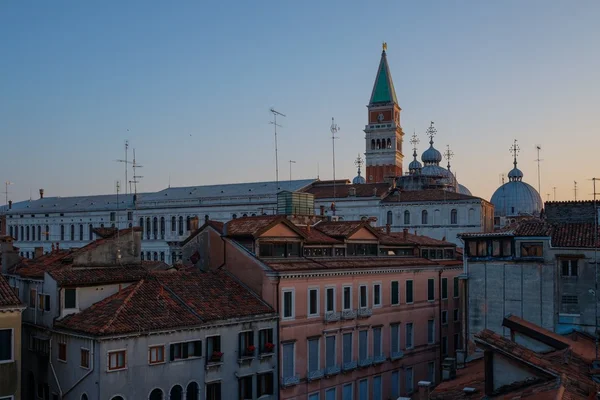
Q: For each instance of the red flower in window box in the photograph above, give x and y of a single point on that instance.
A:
(250, 350)
(216, 356)
(269, 347)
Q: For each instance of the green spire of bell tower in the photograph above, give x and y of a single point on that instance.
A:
(383, 89)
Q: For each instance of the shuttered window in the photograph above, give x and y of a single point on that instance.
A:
(363, 337)
(395, 384)
(329, 351)
(395, 337)
(430, 289)
(377, 387)
(288, 360)
(409, 380)
(395, 293)
(313, 354)
(409, 291)
(347, 392)
(347, 347)
(376, 342)
(363, 390)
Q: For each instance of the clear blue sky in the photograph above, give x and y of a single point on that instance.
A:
(193, 82)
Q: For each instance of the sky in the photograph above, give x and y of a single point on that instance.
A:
(190, 85)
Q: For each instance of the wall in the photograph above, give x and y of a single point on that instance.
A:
(209, 245)
(569, 211)
(507, 372)
(10, 383)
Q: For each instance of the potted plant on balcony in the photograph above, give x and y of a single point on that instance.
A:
(268, 347)
(250, 350)
(216, 356)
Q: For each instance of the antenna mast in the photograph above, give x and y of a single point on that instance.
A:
(334, 129)
(554, 188)
(6, 185)
(538, 148)
(135, 180)
(575, 189)
(291, 162)
(126, 162)
(275, 125)
(596, 260)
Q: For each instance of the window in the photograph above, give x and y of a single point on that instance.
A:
(84, 358)
(155, 227)
(246, 344)
(213, 391)
(27, 233)
(444, 317)
(84, 397)
(569, 268)
(377, 389)
(431, 371)
(347, 298)
(156, 354)
(445, 345)
(155, 254)
(430, 331)
(43, 302)
(347, 392)
(531, 249)
(72, 232)
(245, 388)
(213, 349)
(377, 348)
(156, 394)
(409, 336)
(453, 217)
(188, 223)
(313, 302)
(148, 227)
(330, 394)
(288, 304)
(390, 218)
(444, 288)
(330, 299)
(395, 293)
(347, 347)
(313, 396)
(406, 217)
(456, 315)
(395, 338)
(265, 340)
(456, 341)
(395, 384)
(409, 378)
(32, 298)
(162, 227)
(162, 256)
(377, 295)
(362, 249)
(362, 290)
(279, 249)
(70, 298)
(43, 391)
(176, 393)
(80, 231)
(6, 345)
(409, 292)
(424, 217)
(116, 360)
(363, 340)
(330, 353)
(113, 216)
(180, 226)
(265, 384)
(288, 360)
(62, 352)
(62, 232)
(363, 389)
(313, 355)
(185, 350)
(569, 299)
(173, 224)
(431, 289)
(456, 294)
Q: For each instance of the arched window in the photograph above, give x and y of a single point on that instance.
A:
(72, 232)
(254, 214)
(84, 397)
(33, 233)
(148, 227)
(130, 225)
(112, 225)
(378, 144)
(424, 217)
(39, 236)
(406, 217)
(176, 393)
(191, 393)
(188, 223)
(155, 256)
(12, 233)
(149, 256)
(372, 144)
(234, 216)
(180, 226)
(173, 224)
(245, 215)
(80, 231)
(454, 217)
(162, 256)
(471, 216)
(27, 233)
(22, 233)
(62, 232)
(16, 233)
(156, 394)
(389, 143)
(117, 398)
(390, 218)
(173, 257)
(162, 227)
(47, 232)
(91, 232)
(142, 225)
(155, 227)
(142, 255)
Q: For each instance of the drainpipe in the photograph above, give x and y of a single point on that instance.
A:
(92, 355)
(52, 367)
(464, 299)
(440, 322)
(278, 339)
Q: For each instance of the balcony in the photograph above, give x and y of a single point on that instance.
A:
(380, 359)
(365, 362)
(333, 370)
(214, 361)
(8, 378)
(349, 366)
(332, 316)
(364, 312)
(396, 355)
(315, 375)
(288, 381)
(265, 354)
(348, 314)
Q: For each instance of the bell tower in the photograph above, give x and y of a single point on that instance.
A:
(383, 134)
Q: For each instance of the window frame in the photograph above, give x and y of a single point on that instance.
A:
(308, 302)
(569, 267)
(444, 288)
(395, 340)
(456, 288)
(293, 372)
(392, 293)
(333, 308)
(412, 291)
(292, 292)
(83, 350)
(344, 287)
(360, 296)
(12, 346)
(380, 303)
(45, 307)
(189, 357)
(115, 352)
(431, 290)
(444, 317)
(308, 341)
(431, 323)
(154, 347)
(271, 390)
(62, 350)
(531, 245)
(65, 300)
(33, 292)
(334, 336)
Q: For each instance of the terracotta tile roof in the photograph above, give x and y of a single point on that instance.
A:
(335, 263)
(472, 376)
(8, 298)
(314, 236)
(216, 225)
(409, 196)
(35, 268)
(399, 238)
(109, 234)
(343, 229)
(167, 300)
(72, 275)
(255, 226)
(325, 190)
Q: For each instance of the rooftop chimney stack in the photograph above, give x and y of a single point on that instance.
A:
(387, 228)
(10, 204)
(405, 234)
(424, 390)
(41, 193)
(322, 210)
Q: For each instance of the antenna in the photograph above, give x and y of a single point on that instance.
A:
(117, 189)
(596, 258)
(575, 189)
(275, 125)
(6, 185)
(554, 188)
(318, 175)
(291, 162)
(538, 148)
(125, 162)
(548, 196)
(136, 177)
(334, 129)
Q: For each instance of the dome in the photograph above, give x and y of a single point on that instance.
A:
(442, 175)
(431, 156)
(516, 198)
(463, 190)
(515, 174)
(414, 165)
(358, 180)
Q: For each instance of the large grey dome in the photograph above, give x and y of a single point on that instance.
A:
(463, 190)
(431, 156)
(516, 198)
(442, 174)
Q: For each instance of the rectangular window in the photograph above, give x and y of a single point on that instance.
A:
(330, 351)
(347, 298)
(445, 345)
(347, 347)
(431, 289)
(32, 298)
(265, 341)
(313, 302)
(213, 349)
(444, 288)
(62, 352)
(43, 302)
(431, 331)
(363, 389)
(395, 338)
(185, 350)
(431, 371)
(265, 384)
(377, 350)
(456, 315)
(84, 361)
(213, 391)
(395, 293)
(6, 345)
(409, 380)
(395, 384)
(112, 216)
(288, 304)
(444, 317)
(409, 292)
(245, 388)
(288, 360)
(363, 302)
(347, 392)
(363, 340)
(70, 298)
(330, 299)
(246, 343)
(330, 394)
(456, 287)
(117, 360)
(456, 341)
(409, 335)
(156, 354)
(569, 268)
(377, 389)
(529, 249)
(377, 295)
(313, 355)
(313, 396)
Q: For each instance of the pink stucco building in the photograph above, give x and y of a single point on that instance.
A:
(364, 313)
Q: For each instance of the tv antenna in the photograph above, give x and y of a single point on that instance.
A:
(334, 129)
(291, 162)
(538, 160)
(6, 185)
(125, 162)
(575, 189)
(136, 177)
(554, 188)
(275, 125)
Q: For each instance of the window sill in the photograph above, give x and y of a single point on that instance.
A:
(61, 361)
(6, 361)
(86, 368)
(116, 369)
(265, 355)
(157, 363)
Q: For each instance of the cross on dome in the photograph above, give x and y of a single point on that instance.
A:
(449, 154)
(431, 132)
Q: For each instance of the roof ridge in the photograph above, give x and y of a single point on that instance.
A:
(177, 298)
(122, 306)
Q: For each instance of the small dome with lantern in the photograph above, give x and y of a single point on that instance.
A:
(358, 179)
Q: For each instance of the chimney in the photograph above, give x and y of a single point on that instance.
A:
(53, 248)
(41, 193)
(321, 210)
(405, 234)
(10, 204)
(308, 227)
(448, 369)
(205, 218)
(374, 192)
(424, 390)
(57, 246)
(38, 252)
(10, 256)
(488, 366)
(387, 228)
(193, 224)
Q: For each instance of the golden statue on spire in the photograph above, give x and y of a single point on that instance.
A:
(384, 46)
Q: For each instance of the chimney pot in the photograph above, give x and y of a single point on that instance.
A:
(405, 234)
(41, 193)
(308, 227)
(322, 210)
(387, 228)
(38, 252)
(10, 204)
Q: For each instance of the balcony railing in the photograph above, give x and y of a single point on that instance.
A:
(290, 380)
(365, 362)
(315, 375)
(333, 370)
(332, 316)
(348, 314)
(380, 359)
(349, 366)
(364, 312)
(396, 355)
